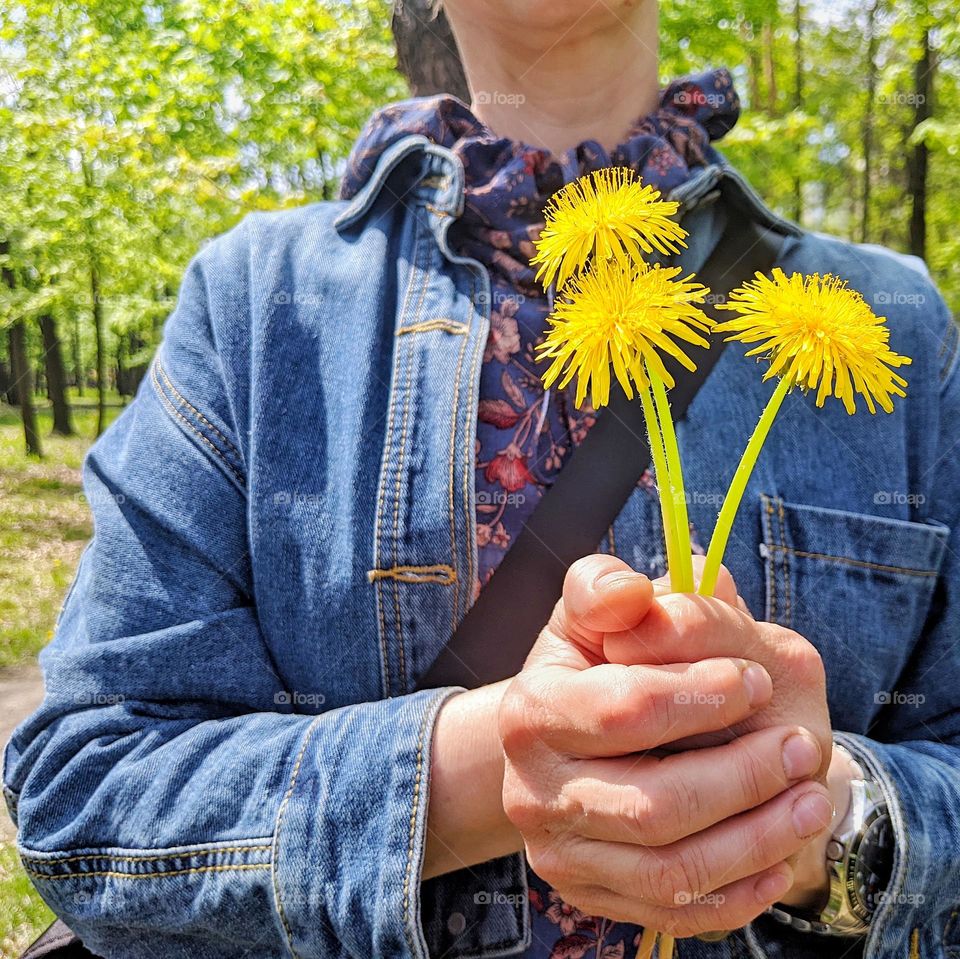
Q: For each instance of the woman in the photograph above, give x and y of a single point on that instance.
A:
(341, 437)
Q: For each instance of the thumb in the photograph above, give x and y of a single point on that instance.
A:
(601, 594)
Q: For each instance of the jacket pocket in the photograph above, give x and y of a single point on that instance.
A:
(858, 587)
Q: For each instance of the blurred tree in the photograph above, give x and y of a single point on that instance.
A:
(56, 375)
(427, 50)
(130, 133)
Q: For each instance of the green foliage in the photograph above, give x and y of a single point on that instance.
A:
(819, 136)
(130, 133)
(44, 523)
(22, 913)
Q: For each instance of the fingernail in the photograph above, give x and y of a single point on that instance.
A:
(811, 814)
(801, 756)
(758, 684)
(774, 885)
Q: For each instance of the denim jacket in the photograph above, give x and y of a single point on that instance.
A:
(230, 759)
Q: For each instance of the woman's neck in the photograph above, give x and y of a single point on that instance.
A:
(565, 82)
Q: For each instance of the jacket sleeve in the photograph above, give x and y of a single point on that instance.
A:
(169, 800)
(913, 750)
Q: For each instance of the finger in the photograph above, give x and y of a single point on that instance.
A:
(677, 625)
(615, 710)
(726, 588)
(682, 628)
(601, 594)
(731, 907)
(654, 801)
(734, 849)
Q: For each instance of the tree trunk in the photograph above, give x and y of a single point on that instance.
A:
(6, 385)
(76, 356)
(56, 376)
(769, 69)
(100, 346)
(917, 167)
(24, 388)
(20, 368)
(868, 120)
(427, 52)
(749, 40)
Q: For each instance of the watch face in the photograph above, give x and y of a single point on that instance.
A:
(871, 865)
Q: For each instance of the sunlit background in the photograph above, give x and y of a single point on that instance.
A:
(132, 132)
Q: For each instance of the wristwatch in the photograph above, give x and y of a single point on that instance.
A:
(860, 862)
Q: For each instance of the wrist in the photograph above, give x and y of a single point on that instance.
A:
(466, 823)
(811, 887)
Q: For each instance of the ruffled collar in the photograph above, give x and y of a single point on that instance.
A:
(508, 182)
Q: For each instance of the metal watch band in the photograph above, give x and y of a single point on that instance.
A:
(801, 925)
(840, 921)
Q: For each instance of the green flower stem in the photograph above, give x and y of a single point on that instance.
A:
(663, 485)
(677, 491)
(731, 502)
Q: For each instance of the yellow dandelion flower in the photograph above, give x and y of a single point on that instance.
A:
(609, 213)
(620, 315)
(820, 335)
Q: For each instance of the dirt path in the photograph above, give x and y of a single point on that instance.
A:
(21, 689)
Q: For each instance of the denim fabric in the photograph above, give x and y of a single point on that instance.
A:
(229, 760)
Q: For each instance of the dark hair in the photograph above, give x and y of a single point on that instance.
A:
(427, 53)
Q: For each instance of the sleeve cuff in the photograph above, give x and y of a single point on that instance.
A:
(351, 830)
(922, 789)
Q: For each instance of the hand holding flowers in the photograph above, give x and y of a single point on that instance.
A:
(614, 310)
(613, 814)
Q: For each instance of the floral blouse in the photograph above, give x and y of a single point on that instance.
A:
(525, 434)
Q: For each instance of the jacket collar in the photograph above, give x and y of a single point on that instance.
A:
(415, 167)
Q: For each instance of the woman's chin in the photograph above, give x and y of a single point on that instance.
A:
(550, 14)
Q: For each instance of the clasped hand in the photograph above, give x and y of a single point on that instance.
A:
(665, 754)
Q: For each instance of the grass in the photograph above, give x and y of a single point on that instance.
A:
(23, 913)
(44, 524)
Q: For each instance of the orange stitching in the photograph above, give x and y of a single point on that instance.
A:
(413, 828)
(613, 542)
(772, 567)
(150, 875)
(449, 326)
(436, 211)
(175, 412)
(92, 857)
(915, 944)
(191, 407)
(786, 563)
(451, 478)
(281, 812)
(441, 573)
(469, 459)
(861, 564)
(384, 473)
